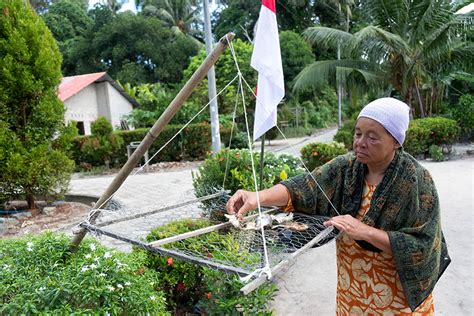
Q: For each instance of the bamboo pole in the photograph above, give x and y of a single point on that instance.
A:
(153, 133)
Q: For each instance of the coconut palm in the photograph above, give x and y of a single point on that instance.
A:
(182, 16)
(409, 46)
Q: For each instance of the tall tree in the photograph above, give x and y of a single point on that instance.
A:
(31, 115)
(410, 46)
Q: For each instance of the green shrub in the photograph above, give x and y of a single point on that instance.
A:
(345, 134)
(317, 154)
(193, 143)
(39, 275)
(422, 133)
(187, 285)
(436, 153)
(239, 170)
(463, 113)
(180, 281)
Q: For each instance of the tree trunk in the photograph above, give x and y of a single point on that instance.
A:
(30, 199)
(420, 103)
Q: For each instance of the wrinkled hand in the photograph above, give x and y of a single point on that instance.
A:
(353, 227)
(242, 202)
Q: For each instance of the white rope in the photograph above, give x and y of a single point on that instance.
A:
(266, 269)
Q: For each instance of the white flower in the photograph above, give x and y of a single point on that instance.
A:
(29, 249)
(93, 266)
(6, 266)
(102, 274)
(111, 288)
(107, 255)
(93, 247)
(128, 283)
(88, 256)
(84, 268)
(152, 298)
(41, 289)
(120, 286)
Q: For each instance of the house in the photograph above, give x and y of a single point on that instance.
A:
(87, 97)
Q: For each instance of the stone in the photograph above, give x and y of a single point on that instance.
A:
(49, 210)
(21, 215)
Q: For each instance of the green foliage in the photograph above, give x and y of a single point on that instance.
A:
(317, 154)
(31, 116)
(345, 134)
(67, 19)
(422, 133)
(187, 285)
(239, 170)
(103, 146)
(463, 113)
(436, 153)
(180, 281)
(225, 71)
(413, 52)
(193, 143)
(101, 127)
(154, 99)
(131, 48)
(38, 275)
(294, 60)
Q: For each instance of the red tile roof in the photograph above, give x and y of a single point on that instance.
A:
(69, 86)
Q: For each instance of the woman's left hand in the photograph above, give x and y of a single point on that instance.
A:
(353, 227)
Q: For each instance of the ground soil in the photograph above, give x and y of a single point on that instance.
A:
(63, 217)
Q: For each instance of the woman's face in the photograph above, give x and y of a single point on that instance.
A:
(372, 144)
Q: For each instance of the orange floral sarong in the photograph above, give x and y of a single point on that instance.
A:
(368, 282)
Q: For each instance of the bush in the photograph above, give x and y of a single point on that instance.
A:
(39, 275)
(188, 285)
(463, 113)
(422, 133)
(31, 115)
(239, 170)
(317, 154)
(345, 134)
(193, 143)
(436, 153)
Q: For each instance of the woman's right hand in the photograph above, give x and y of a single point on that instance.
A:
(242, 202)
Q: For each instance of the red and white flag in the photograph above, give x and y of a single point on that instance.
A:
(266, 59)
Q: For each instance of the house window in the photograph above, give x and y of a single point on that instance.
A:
(80, 128)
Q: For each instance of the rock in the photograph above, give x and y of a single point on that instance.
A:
(49, 210)
(3, 226)
(21, 215)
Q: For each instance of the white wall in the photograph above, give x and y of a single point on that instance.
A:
(100, 99)
(119, 106)
(82, 107)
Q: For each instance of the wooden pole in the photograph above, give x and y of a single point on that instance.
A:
(153, 133)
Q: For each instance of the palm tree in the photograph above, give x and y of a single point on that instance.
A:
(409, 46)
(182, 16)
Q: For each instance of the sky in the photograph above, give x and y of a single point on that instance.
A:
(128, 5)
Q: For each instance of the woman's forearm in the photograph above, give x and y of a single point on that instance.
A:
(275, 196)
(379, 239)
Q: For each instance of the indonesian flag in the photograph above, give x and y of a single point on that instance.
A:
(266, 60)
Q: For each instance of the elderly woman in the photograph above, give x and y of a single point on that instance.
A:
(391, 251)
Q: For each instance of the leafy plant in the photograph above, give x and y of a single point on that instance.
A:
(103, 145)
(188, 285)
(422, 133)
(31, 115)
(38, 275)
(237, 163)
(463, 113)
(436, 153)
(317, 154)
